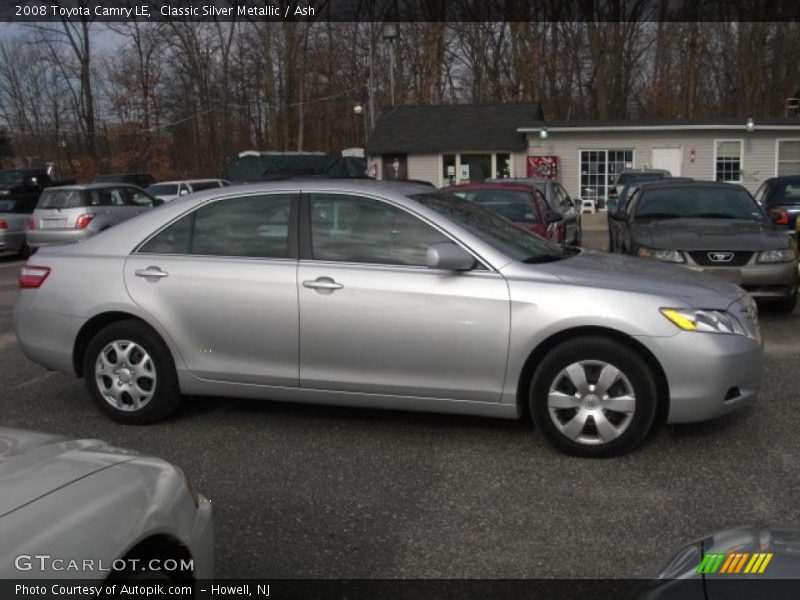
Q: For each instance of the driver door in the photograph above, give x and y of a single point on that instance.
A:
(375, 319)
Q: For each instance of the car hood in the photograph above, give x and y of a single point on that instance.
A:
(644, 275)
(34, 464)
(709, 234)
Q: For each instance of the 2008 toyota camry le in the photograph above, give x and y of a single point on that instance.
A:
(388, 295)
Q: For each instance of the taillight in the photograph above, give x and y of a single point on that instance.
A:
(33, 277)
(779, 216)
(83, 221)
(32, 223)
(3, 224)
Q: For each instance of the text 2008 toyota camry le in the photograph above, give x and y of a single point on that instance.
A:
(385, 295)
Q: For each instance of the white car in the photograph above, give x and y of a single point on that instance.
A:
(81, 509)
(169, 190)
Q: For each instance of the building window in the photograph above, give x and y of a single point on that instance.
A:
(788, 157)
(476, 168)
(728, 161)
(599, 169)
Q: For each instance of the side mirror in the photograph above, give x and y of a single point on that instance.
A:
(449, 257)
(555, 217)
(620, 216)
(184, 192)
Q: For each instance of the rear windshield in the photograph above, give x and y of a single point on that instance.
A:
(789, 193)
(163, 189)
(204, 185)
(627, 177)
(62, 199)
(514, 205)
(698, 202)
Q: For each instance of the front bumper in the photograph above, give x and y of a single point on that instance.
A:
(47, 237)
(760, 280)
(708, 374)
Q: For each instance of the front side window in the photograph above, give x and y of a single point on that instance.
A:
(139, 197)
(728, 166)
(253, 226)
(789, 157)
(361, 230)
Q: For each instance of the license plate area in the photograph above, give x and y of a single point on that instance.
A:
(729, 275)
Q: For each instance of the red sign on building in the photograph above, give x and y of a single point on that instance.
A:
(545, 167)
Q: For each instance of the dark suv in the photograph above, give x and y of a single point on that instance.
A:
(780, 197)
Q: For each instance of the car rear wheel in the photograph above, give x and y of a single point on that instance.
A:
(25, 251)
(593, 397)
(130, 374)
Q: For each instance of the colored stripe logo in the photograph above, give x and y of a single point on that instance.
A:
(734, 563)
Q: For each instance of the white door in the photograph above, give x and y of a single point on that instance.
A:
(670, 159)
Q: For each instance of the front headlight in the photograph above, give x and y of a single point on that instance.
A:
(777, 256)
(672, 256)
(709, 321)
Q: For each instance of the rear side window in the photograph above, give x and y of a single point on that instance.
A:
(62, 199)
(514, 205)
(253, 226)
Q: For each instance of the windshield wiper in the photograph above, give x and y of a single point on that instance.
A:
(717, 216)
(657, 216)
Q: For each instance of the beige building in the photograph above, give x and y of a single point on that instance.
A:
(585, 155)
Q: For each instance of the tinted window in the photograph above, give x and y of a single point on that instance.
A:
(789, 193)
(254, 226)
(62, 199)
(513, 241)
(514, 205)
(698, 202)
(12, 176)
(163, 189)
(139, 197)
(352, 229)
(199, 186)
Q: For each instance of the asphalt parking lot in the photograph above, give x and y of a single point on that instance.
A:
(320, 492)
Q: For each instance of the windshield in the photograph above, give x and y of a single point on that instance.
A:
(61, 199)
(12, 176)
(698, 202)
(628, 177)
(514, 205)
(498, 232)
(163, 189)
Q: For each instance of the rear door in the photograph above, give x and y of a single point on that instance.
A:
(222, 282)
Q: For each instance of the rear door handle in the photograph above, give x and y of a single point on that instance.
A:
(322, 283)
(151, 272)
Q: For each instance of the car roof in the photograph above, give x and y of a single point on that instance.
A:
(92, 186)
(177, 181)
(691, 183)
(785, 179)
(493, 185)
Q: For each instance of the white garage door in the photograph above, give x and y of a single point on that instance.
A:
(670, 159)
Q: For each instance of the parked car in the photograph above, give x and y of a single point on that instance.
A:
(744, 562)
(559, 201)
(14, 215)
(141, 180)
(621, 204)
(387, 295)
(74, 213)
(628, 175)
(75, 508)
(521, 203)
(717, 228)
(780, 197)
(169, 190)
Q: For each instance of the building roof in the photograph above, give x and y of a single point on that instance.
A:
(453, 128)
(582, 125)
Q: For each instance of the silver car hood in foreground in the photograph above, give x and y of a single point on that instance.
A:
(34, 464)
(648, 276)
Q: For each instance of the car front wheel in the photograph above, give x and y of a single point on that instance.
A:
(593, 397)
(130, 374)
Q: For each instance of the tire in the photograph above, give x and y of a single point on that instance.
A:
(137, 390)
(25, 251)
(571, 423)
(787, 304)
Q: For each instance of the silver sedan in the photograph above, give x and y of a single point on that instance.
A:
(388, 295)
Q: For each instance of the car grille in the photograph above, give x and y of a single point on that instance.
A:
(737, 259)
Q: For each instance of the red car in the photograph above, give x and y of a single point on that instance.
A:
(521, 203)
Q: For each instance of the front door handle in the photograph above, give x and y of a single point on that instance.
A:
(322, 283)
(151, 272)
